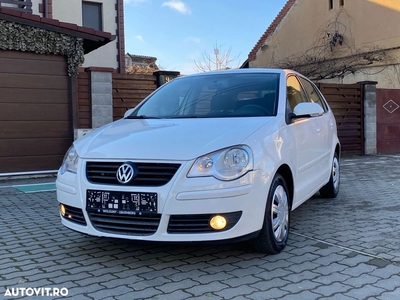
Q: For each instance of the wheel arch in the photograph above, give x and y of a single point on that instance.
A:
(285, 171)
(338, 150)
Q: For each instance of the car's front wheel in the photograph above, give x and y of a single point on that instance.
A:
(331, 189)
(275, 231)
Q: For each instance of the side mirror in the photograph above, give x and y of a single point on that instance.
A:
(307, 110)
(128, 113)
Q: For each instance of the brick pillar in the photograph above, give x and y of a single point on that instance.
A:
(369, 95)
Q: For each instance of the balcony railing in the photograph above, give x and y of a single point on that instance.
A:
(20, 5)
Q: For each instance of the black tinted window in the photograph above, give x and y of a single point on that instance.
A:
(92, 15)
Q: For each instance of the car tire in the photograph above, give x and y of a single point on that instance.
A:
(331, 189)
(275, 231)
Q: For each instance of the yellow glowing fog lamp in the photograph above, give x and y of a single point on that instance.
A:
(218, 222)
(62, 210)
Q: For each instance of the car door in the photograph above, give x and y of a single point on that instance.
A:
(306, 133)
(326, 132)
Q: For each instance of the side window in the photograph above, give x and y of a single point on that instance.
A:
(92, 15)
(312, 93)
(295, 93)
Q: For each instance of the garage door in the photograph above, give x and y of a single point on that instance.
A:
(35, 119)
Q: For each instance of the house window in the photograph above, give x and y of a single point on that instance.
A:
(92, 15)
(330, 4)
(341, 2)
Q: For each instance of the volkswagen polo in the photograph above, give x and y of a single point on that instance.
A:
(217, 156)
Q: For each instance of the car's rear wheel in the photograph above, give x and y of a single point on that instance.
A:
(275, 231)
(331, 189)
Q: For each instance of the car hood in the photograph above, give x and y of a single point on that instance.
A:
(166, 139)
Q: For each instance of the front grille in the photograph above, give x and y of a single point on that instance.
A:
(125, 224)
(150, 174)
(199, 223)
(74, 215)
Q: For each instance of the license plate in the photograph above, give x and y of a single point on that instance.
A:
(128, 203)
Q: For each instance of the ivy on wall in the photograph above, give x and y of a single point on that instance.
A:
(26, 38)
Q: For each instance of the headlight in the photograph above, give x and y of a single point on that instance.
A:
(70, 162)
(226, 164)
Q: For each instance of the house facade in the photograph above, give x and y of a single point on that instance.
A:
(342, 42)
(45, 47)
(101, 15)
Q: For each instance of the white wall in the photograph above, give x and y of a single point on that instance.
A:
(71, 11)
(35, 7)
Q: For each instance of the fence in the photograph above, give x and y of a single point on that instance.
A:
(129, 90)
(346, 102)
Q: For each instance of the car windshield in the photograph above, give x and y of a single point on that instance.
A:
(213, 96)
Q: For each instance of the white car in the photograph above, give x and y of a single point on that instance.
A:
(218, 156)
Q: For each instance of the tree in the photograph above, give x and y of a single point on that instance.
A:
(219, 60)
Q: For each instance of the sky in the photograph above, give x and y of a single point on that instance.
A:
(179, 32)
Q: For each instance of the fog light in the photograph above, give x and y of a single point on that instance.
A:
(218, 222)
(62, 210)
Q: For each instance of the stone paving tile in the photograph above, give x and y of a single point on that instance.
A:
(271, 294)
(365, 291)
(295, 288)
(389, 295)
(389, 284)
(309, 295)
(207, 290)
(233, 292)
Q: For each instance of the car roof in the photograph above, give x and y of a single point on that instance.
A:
(246, 71)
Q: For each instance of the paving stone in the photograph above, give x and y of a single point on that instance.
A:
(207, 289)
(177, 295)
(242, 272)
(340, 297)
(230, 293)
(267, 285)
(332, 268)
(298, 287)
(174, 286)
(190, 274)
(329, 290)
(204, 279)
(389, 284)
(237, 281)
(272, 294)
(386, 272)
(359, 269)
(110, 293)
(138, 285)
(361, 280)
(303, 295)
(389, 295)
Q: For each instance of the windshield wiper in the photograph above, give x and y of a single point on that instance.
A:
(142, 117)
(185, 117)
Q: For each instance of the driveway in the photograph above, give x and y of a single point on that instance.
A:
(345, 248)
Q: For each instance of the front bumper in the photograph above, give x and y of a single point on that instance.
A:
(185, 206)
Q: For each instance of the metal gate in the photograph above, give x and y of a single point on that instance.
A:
(346, 102)
(388, 120)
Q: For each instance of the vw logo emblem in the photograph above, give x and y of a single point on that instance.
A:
(125, 173)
